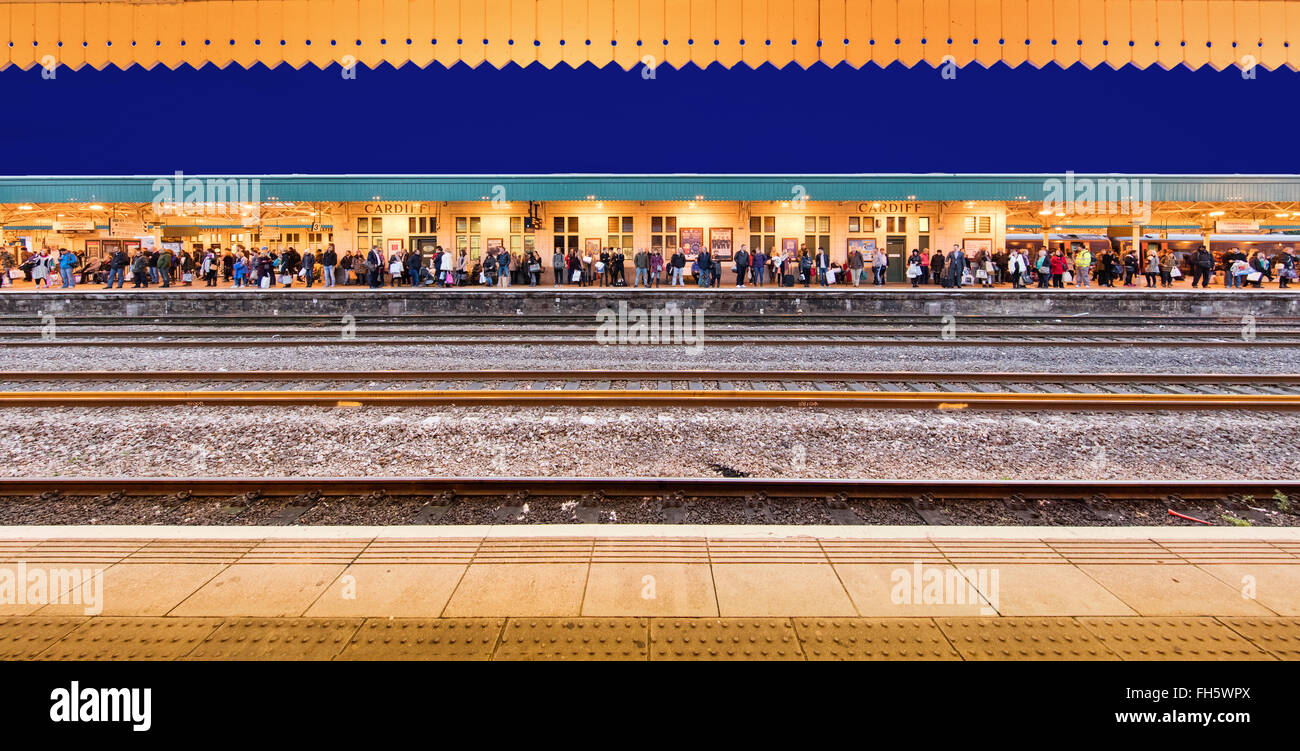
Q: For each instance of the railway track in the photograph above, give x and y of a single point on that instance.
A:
(668, 388)
(721, 329)
(609, 487)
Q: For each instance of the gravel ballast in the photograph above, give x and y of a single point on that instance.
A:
(606, 442)
(1026, 357)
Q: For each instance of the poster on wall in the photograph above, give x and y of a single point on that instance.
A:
(790, 247)
(972, 247)
(720, 243)
(691, 240)
(864, 245)
(591, 248)
(395, 246)
(93, 251)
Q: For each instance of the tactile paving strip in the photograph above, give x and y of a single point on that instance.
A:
(1279, 637)
(575, 639)
(724, 639)
(278, 639)
(1023, 639)
(425, 639)
(134, 639)
(873, 639)
(24, 637)
(1172, 639)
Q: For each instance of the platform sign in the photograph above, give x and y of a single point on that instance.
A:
(125, 228)
(269, 233)
(1228, 226)
(73, 225)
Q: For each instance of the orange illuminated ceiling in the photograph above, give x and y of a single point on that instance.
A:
(630, 33)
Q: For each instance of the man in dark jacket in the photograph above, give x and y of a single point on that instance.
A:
(374, 266)
(117, 268)
(742, 266)
(1202, 267)
(705, 262)
(677, 264)
(308, 266)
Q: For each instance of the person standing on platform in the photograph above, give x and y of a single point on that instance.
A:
(1285, 264)
(705, 262)
(957, 265)
(117, 264)
(641, 262)
(308, 266)
(374, 266)
(742, 266)
(656, 267)
(1152, 268)
(140, 270)
(1016, 268)
(1082, 267)
(1203, 266)
(937, 262)
(328, 262)
(823, 266)
(165, 261)
(558, 266)
(1057, 268)
(913, 268)
(879, 262)
(676, 267)
(856, 263)
(67, 261)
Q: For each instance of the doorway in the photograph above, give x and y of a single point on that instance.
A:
(896, 251)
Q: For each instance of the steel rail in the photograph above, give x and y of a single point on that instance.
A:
(592, 331)
(647, 375)
(648, 486)
(659, 398)
(715, 340)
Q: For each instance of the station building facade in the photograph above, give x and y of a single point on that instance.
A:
(542, 213)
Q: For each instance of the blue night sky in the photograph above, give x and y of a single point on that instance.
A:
(534, 120)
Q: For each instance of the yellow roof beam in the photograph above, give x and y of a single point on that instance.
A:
(632, 33)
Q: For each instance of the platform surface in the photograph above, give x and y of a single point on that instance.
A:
(592, 592)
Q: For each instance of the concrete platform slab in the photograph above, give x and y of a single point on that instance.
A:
(1275, 586)
(389, 590)
(1177, 589)
(1051, 589)
(260, 589)
(779, 589)
(519, 590)
(650, 589)
(904, 591)
(143, 589)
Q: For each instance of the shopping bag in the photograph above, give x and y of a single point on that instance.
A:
(187, 277)
(1175, 272)
(981, 274)
(266, 281)
(1254, 276)
(1067, 277)
(577, 276)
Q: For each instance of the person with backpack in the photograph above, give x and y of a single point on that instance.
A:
(67, 263)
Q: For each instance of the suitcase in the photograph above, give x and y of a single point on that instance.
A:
(787, 280)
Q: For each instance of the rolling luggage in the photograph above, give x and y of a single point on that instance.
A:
(787, 280)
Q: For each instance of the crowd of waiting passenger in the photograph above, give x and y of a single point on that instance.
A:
(265, 268)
